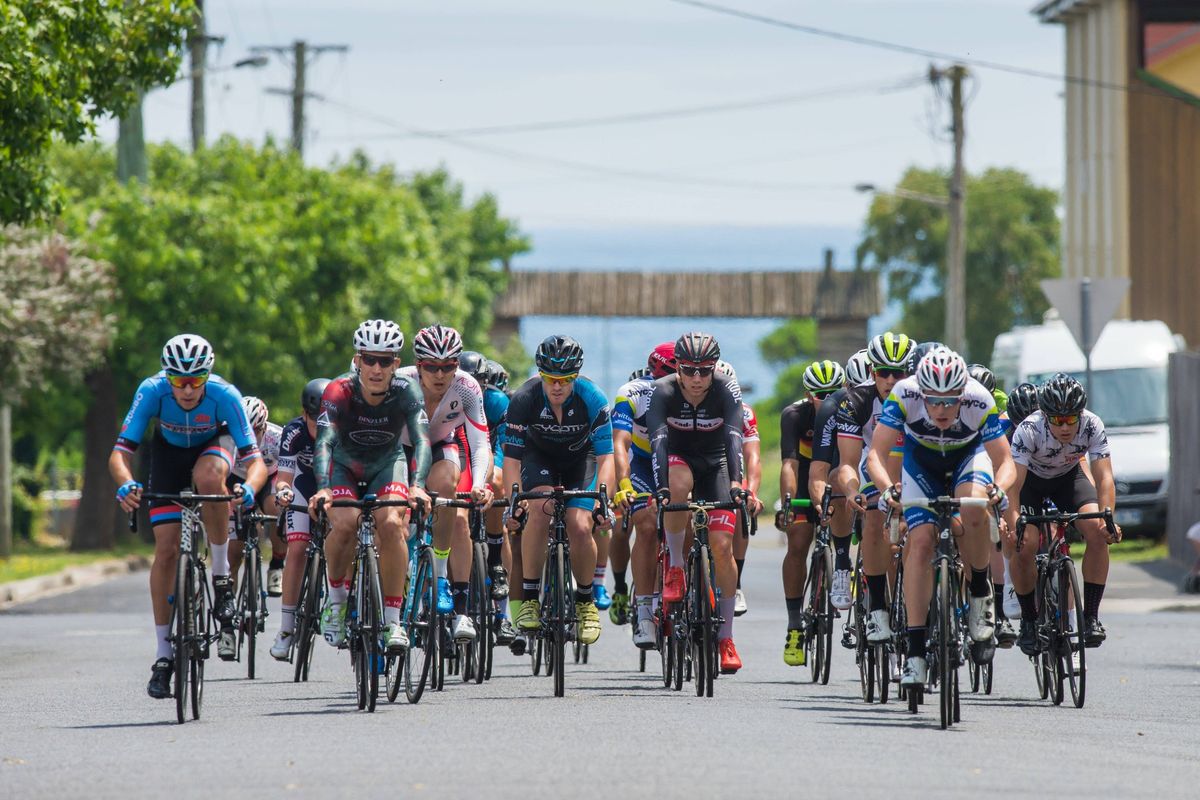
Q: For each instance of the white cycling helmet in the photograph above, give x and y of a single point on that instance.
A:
(942, 370)
(858, 368)
(379, 336)
(437, 343)
(256, 412)
(187, 354)
(725, 370)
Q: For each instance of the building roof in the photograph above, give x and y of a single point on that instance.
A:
(1056, 10)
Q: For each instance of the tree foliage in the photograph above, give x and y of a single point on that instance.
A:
(65, 64)
(1012, 242)
(788, 349)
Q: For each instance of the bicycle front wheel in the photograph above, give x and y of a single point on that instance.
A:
(559, 617)
(422, 631)
(202, 621)
(702, 631)
(1075, 647)
(184, 624)
(946, 642)
(371, 620)
(253, 585)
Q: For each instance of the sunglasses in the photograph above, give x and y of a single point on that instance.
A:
(1063, 419)
(186, 381)
(823, 394)
(377, 361)
(943, 402)
(559, 380)
(436, 367)
(695, 371)
(891, 373)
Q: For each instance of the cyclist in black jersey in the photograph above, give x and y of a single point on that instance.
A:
(797, 428)
(364, 415)
(695, 427)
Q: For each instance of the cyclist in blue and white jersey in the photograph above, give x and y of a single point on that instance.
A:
(559, 434)
(953, 445)
(201, 425)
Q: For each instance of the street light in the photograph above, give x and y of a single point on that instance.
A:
(908, 194)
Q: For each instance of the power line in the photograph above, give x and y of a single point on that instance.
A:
(880, 44)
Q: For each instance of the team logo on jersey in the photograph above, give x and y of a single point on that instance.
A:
(371, 438)
(453, 404)
(546, 414)
(454, 415)
(323, 420)
(203, 418)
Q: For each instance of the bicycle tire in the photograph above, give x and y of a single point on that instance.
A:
(988, 674)
(883, 674)
(1051, 613)
(183, 624)
(864, 653)
(421, 633)
(666, 654)
(560, 618)
(308, 614)
(371, 619)
(480, 602)
(199, 605)
(254, 583)
(708, 621)
(945, 612)
(1075, 639)
(812, 632)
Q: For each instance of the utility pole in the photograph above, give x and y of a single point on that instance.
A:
(198, 41)
(956, 256)
(301, 52)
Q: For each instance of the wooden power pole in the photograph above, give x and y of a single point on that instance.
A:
(956, 256)
(301, 52)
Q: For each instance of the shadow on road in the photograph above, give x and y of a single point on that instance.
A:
(170, 722)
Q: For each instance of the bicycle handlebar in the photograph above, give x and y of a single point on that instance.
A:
(1065, 518)
(182, 498)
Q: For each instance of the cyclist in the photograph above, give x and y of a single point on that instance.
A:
(635, 476)
(462, 461)
(364, 414)
(797, 424)
(1048, 447)
(752, 472)
(1022, 402)
(201, 424)
(296, 483)
(858, 418)
(695, 426)
(266, 434)
(952, 445)
(558, 434)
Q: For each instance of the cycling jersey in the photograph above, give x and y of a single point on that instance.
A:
(220, 408)
(268, 446)
(858, 413)
(629, 413)
(460, 409)
(749, 424)
(582, 428)
(702, 434)
(495, 408)
(797, 425)
(978, 420)
(296, 449)
(1034, 446)
(362, 442)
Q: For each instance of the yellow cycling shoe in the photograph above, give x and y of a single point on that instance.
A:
(793, 650)
(589, 622)
(529, 617)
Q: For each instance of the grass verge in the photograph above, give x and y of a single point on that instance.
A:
(1130, 551)
(32, 559)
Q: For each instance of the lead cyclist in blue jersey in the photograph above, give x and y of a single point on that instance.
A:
(202, 431)
(558, 433)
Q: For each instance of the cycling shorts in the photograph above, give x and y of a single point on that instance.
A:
(385, 477)
(710, 475)
(641, 475)
(171, 472)
(458, 452)
(296, 523)
(1069, 492)
(539, 469)
(924, 480)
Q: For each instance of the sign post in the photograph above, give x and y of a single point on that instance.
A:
(1085, 305)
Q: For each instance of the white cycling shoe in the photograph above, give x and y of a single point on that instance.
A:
(463, 629)
(839, 592)
(282, 647)
(275, 582)
(645, 636)
(981, 620)
(396, 637)
(739, 603)
(879, 630)
(916, 672)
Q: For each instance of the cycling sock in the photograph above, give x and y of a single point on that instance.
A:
(1028, 606)
(495, 548)
(741, 564)
(675, 546)
(339, 590)
(530, 589)
(726, 607)
(979, 583)
(644, 608)
(440, 557)
(458, 590)
(1092, 592)
(276, 562)
(619, 584)
(998, 598)
(391, 610)
(876, 592)
(163, 637)
(795, 611)
(220, 559)
(841, 550)
(598, 577)
(916, 642)
(583, 595)
(288, 622)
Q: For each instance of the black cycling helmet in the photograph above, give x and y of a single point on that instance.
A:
(984, 375)
(559, 355)
(1022, 401)
(474, 364)
(1062, 394)
(697, 348)
(497, 375)
(310, 398)
(919, 352)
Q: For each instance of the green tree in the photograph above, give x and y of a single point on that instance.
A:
(65, 64)
(1012, 239)
(788, 350)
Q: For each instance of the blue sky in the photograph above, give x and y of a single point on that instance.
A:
(474, 63)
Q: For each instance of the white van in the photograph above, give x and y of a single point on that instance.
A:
(1129, 392)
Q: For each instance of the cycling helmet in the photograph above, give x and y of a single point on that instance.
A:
(858, 368)
(890, 350)
(256, 412)
(497, 375)
(472, 363)
(437, 343)
(697, 348)
(824, 376)
(559, 355)
(310, 398)
(984, 375)
(1062, 394)
(187, 354)
(644, 372)
(942, 371)
(920, 351)
(725, 370)
(379, 336)
(1022, 402)
(662, 360)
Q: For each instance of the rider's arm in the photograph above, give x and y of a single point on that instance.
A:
(516, 426)
(846, 479)
(335, 399)
(1014, 502)
(877, 456)
(1002, 463)
(622, 439)
(818, 479)
(1106, 487)
(140, 413)
(731, 412)
(656, 430)
(751, 452)
(418, 431)
(477, 433)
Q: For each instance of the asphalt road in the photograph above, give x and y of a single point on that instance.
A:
(75, 721)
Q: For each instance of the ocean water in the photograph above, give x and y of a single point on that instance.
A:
(614, 347)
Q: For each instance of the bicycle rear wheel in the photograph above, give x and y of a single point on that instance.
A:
(253, 568)
(814, 583)
(1075, 646)
(202, 621)
(422, 631)
(308, 609)
(182, 634)
(705, 624)
(946, 642)
(559, 616)
(883, 676)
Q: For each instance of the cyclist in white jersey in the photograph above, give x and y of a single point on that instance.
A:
(462, 461)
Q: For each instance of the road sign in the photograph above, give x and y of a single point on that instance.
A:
(1085, 305)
